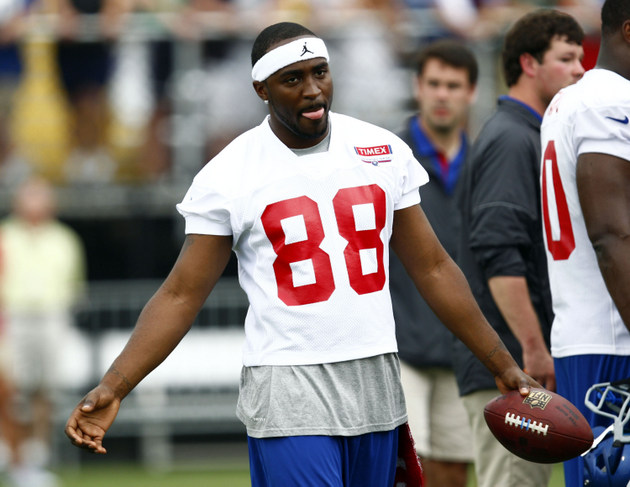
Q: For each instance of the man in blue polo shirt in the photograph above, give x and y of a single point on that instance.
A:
(445, 81)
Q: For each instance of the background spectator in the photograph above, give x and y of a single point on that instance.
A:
(502, 252)
(85, 65)
(13, 15)
(446, 76)
(42, 278)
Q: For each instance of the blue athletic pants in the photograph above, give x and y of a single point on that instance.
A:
(324, 461)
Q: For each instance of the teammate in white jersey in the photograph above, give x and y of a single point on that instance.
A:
(586, 208)
(309, 201)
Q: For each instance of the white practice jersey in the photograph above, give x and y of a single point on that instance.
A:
(311, 234)
(588, 117)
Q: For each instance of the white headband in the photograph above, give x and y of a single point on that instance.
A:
(293, 52)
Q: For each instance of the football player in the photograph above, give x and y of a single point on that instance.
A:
(309, 201)
(586, 206)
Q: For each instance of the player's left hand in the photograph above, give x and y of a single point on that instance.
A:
(513, 378)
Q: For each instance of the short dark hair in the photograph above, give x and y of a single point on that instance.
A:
(614, 14)
(532, 34)
(275, 33)
(450, 52)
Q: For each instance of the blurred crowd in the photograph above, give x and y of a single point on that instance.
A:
(137, 91)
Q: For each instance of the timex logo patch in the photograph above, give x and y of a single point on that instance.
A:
(376, 154)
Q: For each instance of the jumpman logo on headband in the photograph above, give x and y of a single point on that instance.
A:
(305, 50)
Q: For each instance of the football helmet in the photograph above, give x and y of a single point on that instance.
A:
(607, 462)
(612, 399)
(606, 465)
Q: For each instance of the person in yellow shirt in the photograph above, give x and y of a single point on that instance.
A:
(42, 277)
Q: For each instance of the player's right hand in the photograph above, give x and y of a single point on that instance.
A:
(91, 419)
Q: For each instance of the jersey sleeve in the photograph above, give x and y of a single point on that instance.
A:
(414, 176)
(206, 211)
(602, 130)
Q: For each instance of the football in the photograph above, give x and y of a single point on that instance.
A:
(542, 427)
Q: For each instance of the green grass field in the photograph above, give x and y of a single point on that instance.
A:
(557, 478)
(134, 476)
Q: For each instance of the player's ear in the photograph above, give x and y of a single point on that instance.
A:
(529, 64)
(261, 90)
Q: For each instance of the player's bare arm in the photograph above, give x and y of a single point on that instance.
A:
(446, 290)
(603, 182)
(511, 294)
(164, 321)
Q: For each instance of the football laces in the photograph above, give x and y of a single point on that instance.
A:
(526, 424)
